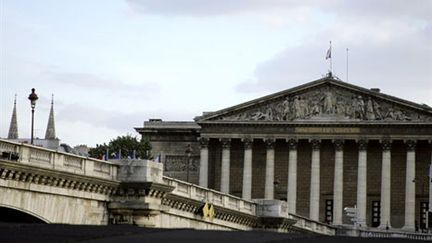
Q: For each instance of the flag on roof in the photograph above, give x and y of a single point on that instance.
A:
(328, 53)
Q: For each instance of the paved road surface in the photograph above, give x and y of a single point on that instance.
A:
(77, 233)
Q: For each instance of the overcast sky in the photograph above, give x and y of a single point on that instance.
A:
(111, 65)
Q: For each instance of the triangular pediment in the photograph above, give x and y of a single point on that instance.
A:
(325, 99)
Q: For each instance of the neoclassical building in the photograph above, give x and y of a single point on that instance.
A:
(321, 146)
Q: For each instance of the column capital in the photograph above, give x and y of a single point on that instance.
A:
(316, 143)
(362, 143)
(292, 143)
(203, 141)
(410, 145)
(386, 144)
(226, 143)
(247, 143)
(338, 144)
(269, 143)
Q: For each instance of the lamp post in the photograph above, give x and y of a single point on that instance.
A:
(188, 152)
(32, 97)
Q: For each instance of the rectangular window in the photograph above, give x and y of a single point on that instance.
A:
(329, 211)
(376, 213)
(424, 207)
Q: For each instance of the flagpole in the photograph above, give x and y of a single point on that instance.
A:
(331, 67)
(347, 64)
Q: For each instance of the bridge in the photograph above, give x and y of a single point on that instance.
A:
(41, 185)
(57, 187)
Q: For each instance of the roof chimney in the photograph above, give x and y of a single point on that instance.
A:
(375, 90)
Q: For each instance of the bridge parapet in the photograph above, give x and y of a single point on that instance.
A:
(55, 160)
(55, 187)
(304, 224)
(147, 198)
(217, 198)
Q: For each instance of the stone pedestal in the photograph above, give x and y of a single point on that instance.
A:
(138, 199)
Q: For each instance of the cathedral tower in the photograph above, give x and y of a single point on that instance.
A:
(50, 132)
(13, 128)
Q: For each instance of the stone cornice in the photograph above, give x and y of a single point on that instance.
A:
(151, 189)
(316, 123)
(277, 223)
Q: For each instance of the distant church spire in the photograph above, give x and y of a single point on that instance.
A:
(13, 129)
(50, 132)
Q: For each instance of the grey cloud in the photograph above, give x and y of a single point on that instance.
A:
(121, 121)
(399, 67)
(92, 81)
(418, 9)
(191, 7)
(415, 8)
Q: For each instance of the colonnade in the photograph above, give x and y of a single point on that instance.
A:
(338, 189)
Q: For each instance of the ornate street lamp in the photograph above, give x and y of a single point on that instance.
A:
(32, 97)
(188, 152)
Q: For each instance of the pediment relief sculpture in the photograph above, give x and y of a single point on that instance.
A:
(327, 103)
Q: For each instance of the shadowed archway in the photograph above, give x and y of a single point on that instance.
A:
(10, 215)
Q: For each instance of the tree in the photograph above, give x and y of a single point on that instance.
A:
(125, 146)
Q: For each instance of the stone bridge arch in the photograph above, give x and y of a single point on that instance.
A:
(51, 206)
(11, 214)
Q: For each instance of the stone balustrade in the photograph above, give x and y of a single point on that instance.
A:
(279, 209)
(354, 231)
(49, 159)
(394, 234)
(307, 224)
(195, 192)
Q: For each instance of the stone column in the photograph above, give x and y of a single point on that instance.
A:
(385, 184)
(430, 180)
(362, 183)
(203, 175)
(410, 187)
(225, 168)
(269, 179)
(292, 176)
(338, 183)
(315, 181)
(247, 170)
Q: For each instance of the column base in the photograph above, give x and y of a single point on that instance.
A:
(384, 227)
(362, 223)
(410, 228)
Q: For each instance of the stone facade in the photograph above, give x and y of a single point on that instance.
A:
(321, 146)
